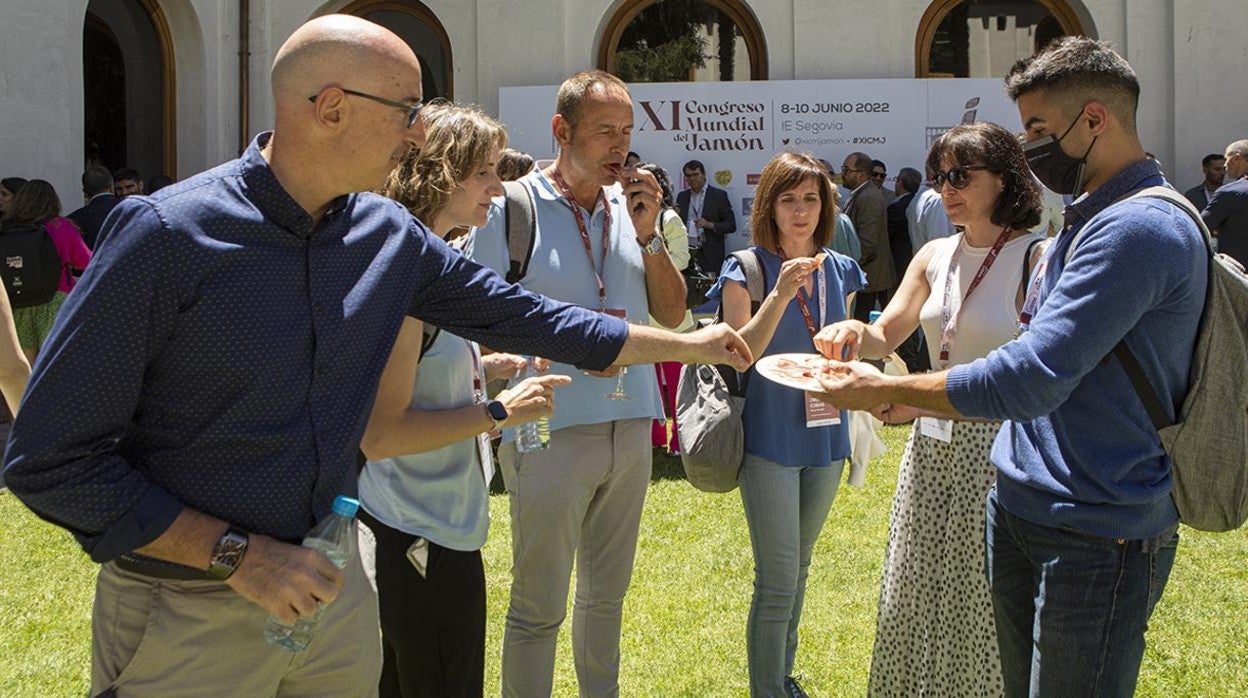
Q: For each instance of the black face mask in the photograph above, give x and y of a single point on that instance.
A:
(1061, 173)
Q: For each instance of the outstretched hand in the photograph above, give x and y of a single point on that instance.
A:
(852, 385)
(719, 344)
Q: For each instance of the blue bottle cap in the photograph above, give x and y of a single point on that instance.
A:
(873, 316)
(346, 506)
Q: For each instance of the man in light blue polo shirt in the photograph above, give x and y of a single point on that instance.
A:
(581, 498)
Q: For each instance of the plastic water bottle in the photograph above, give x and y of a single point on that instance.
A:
(534, 435)
(334, 536)
(873, 316)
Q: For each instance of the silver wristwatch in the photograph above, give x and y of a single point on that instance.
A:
(653, 247)
(228, 553)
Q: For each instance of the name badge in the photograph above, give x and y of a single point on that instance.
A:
(486, 456)
(820, 413)
(939, 429)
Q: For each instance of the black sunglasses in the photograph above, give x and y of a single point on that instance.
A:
(413, 110)
(878, 175)
(959, 177)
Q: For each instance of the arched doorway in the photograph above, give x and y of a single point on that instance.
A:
(983, 38)
(683, 41)
(420, 28)
(128, 82)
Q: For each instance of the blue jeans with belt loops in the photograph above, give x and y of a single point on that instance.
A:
(1071, 608)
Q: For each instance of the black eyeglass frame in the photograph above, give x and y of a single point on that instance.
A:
(879, 175)
(413, 110)
(957, 177)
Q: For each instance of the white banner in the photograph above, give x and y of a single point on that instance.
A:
(734, 128)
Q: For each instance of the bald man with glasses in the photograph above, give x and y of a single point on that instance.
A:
(224, 355)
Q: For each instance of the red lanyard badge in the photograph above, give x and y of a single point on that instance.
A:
(948, 325)
(583, 227)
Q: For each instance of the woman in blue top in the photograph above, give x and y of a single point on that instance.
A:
(791, 470)
(424, 490)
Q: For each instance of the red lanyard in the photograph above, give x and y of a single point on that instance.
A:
(949, 319)
(584, 229)
(821, 282)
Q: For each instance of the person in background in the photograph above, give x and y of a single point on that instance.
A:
(1213, 166)
(868, 210)
(1226, 214)
(425, 486)
(514, 164)
(9, 186)
(36, 204)
(97, 188)
(793, 458)
(934, 629)
(676, 238)
(127, 182)
(926, 218)
(707, 212)
(879, 177)
(157, 182)
(632, 159)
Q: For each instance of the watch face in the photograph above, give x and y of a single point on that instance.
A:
(497, 411)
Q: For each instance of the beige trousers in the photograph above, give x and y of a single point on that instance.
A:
(579, 500)
(157, 637)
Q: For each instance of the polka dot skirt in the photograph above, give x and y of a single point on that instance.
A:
(934, 632)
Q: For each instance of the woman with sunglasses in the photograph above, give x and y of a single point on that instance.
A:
(793, 457)
(424, 491)
(934, 631)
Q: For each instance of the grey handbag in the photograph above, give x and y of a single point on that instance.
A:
(709, 402)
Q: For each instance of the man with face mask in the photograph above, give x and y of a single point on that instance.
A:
(1081, 529)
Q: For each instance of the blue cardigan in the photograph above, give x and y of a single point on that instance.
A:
(1078, 450)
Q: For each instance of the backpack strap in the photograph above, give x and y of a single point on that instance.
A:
(520, 228)
(755, 283)
(1130, 364)
(428, 335)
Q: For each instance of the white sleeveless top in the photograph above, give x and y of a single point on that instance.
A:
(990, 318)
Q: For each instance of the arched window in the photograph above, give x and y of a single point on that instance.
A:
(129, 104)
(983, 38)
(683, 41)
(420, 28)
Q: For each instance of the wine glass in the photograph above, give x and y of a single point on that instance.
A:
(620, 393)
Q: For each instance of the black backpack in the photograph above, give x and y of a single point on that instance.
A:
(29, 264)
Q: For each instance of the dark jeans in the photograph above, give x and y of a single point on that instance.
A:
(1071, 608)
(433, 627)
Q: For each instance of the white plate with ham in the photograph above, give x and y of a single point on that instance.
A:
(798, 371)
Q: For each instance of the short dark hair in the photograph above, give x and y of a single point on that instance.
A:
(36, 203)
(909, 179)
(1019, 204)
(13, 184)
(575, 89)
(157, 182)
(1079, 70)
(1204, 162)
(880, 164)
(665, 182)
(126, 173)
(784, 172)
(96, 179)
(514, 164)
(693, 165)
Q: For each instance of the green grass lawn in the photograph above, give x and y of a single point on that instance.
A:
(684, 620)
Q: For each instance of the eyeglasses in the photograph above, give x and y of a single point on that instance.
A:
(412, 110)
(879, 175)
(959, 177)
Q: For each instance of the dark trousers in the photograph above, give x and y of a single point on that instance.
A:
(865, 302)
(711, 254)
(1071, 608)
(432, 627)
